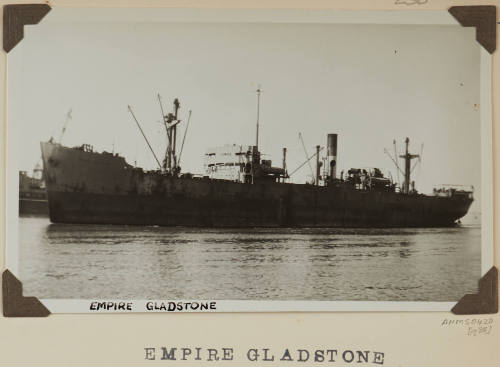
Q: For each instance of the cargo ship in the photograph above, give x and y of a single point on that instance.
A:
(238, 189)
(32, 195)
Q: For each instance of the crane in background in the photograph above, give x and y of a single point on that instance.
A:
(65, 124)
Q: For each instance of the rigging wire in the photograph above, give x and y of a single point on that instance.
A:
(184, 137)
(304, 163)
(305, 151)
(144, 135)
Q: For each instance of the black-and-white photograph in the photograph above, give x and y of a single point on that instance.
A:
(257, 160)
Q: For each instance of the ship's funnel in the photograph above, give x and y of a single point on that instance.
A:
(331, 151)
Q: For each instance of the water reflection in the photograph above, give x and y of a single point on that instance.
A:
(405, 252)
(92, 261)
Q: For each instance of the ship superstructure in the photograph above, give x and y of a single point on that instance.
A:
(238, 189)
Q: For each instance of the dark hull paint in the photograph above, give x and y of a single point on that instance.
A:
(85, 187)
(152, 210)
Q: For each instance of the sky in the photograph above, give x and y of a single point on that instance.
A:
(370, 84)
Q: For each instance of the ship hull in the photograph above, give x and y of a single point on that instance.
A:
(86, 187)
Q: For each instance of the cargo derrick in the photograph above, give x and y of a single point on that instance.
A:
(407, 158)
(170, 121)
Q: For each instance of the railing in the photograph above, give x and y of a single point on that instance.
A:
(454, 187)
(445, 190)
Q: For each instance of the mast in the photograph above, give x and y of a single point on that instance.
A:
(255, 150)
(407, 157)
(171, 120)
(166, 161)
(318, 165)
(176, 110)
(259, 91)
(284, 164)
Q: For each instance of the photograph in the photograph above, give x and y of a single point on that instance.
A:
(253, 160)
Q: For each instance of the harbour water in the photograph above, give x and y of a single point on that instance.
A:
(129, 262)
